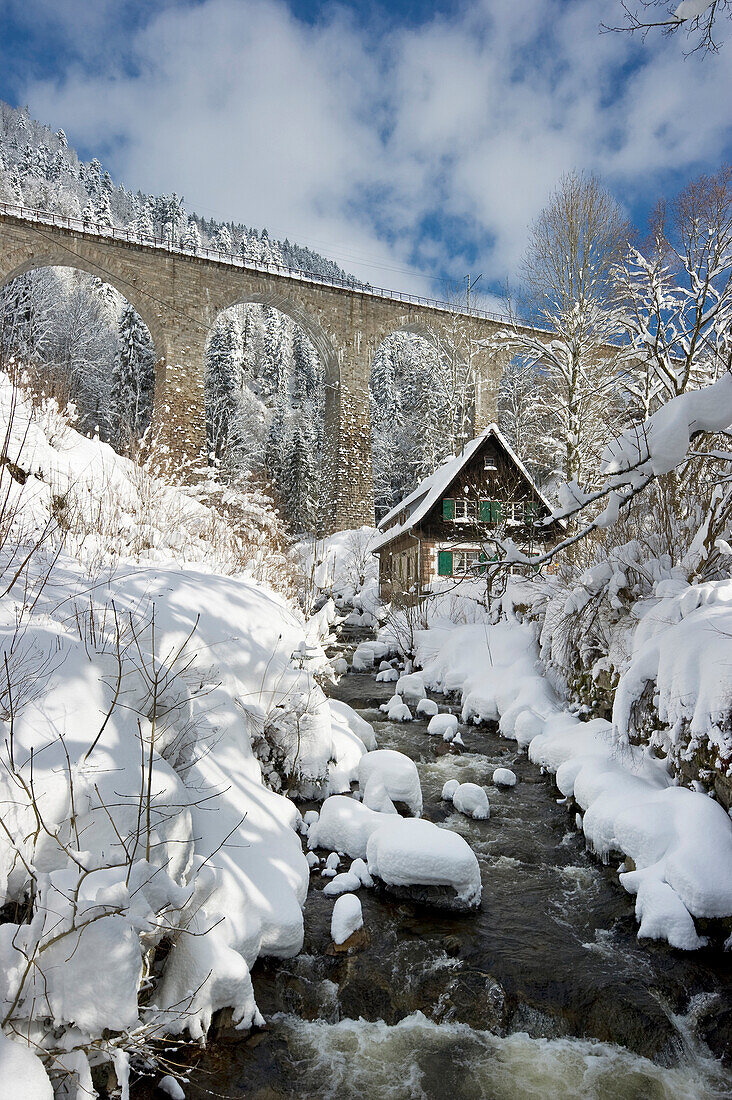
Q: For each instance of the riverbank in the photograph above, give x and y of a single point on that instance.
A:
(545, 988)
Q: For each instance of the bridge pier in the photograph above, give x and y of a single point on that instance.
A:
(179, 413)
(348, 483)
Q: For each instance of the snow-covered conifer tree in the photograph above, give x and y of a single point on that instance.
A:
(132, 389)
(222, 240)
(191, 237)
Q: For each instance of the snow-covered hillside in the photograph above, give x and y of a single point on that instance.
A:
(153, 702)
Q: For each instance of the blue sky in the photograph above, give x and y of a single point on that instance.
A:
(411, 141)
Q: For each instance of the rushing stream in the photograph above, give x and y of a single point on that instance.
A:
(544, 992)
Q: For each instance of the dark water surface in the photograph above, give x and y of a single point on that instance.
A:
(544, 992)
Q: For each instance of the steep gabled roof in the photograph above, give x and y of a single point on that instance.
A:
(432, 488)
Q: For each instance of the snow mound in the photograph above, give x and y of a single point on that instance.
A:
(440, 724)
(375, 797)
(347, 918)
(21, 1072)
(427, 708)
(504, 777)
(411, 687)
(414, 852)
(344, 824)
(351, 737)
(361, 871)
(387, 676)
(397, 710)
(471, 800)
(397, 773)
(449, 789)
(344, 883)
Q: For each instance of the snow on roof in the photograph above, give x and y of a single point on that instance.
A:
(429, 490)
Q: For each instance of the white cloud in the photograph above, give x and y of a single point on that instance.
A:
(360, 143)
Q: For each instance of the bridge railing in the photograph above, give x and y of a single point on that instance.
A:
(235, 259)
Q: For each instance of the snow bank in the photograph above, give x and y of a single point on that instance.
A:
(414, 852)
(682, 648)
(161, 708)
(679, 841)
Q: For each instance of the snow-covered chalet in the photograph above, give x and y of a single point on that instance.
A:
(447, 527)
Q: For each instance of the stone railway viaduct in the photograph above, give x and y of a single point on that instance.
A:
(179, 294)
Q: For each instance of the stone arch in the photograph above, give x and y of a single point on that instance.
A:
(137, 298)
(319, 338)
(70, 279)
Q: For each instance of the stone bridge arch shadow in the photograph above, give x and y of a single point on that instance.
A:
(327, 349)
(65, 267)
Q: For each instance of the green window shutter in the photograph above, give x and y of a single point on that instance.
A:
(444, 563)
(484, 511)
(448, 510)
(496, 511)
(531, 510)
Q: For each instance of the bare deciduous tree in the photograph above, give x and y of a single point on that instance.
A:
(573, 246)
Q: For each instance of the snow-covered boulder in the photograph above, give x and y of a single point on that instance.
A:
(449, 789)
(375, 797)
(411, 687)
(343, 716)
(339, 666)
(471, 800)
(344, 883)
(504, 777)
(361, 871)
(441, 724)
(397, 710)
(387, 676)
(347, 918)
(427, 708)
(344, 824)
(363, 658)
(416, 859)
(351, 736)
(398, 774)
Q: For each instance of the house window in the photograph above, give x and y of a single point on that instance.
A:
(465, 561)
(466, 510)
